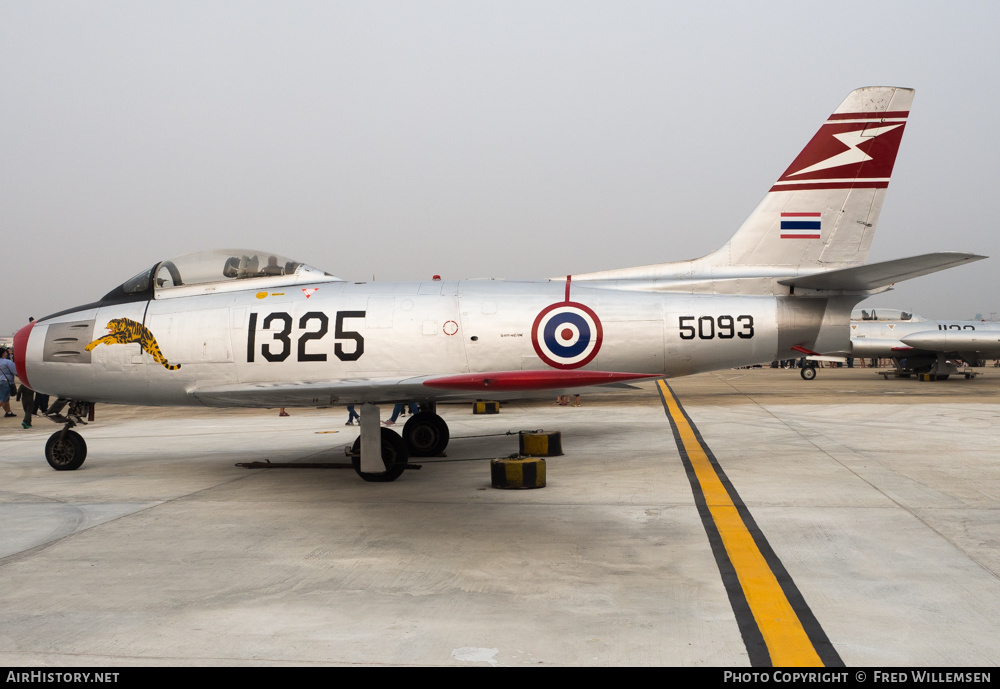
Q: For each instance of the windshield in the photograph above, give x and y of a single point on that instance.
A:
(224, 265)
(883, 314)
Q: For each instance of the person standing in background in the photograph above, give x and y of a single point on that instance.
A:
(7, 373)
(27, 397)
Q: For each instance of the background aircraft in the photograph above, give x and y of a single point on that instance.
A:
(252, 329)
(918, 345)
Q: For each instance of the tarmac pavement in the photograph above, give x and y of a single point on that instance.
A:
(881, 499)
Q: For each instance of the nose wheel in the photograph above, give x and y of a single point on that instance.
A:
(65, 450)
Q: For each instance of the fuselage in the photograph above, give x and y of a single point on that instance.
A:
(274, 332)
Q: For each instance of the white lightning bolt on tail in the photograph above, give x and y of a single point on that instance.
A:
(853, 155)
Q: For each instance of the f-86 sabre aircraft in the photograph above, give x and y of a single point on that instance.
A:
(238, 328)
(918, 345)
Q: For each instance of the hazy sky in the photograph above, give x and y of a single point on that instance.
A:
(469, 139)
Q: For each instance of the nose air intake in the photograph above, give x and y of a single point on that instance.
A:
(20, 349)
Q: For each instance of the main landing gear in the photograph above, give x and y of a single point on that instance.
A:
(808, 372)
(394, 458)
(425, 434)
(66, 450)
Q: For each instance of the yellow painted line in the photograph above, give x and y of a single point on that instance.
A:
(787, 641)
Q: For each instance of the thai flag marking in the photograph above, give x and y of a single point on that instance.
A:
(801, 225)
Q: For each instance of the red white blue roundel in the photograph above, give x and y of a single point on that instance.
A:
(567, 335)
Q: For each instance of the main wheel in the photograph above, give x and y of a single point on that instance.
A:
(426, 435)
(65, 450)
(807, 372)
(394, 458)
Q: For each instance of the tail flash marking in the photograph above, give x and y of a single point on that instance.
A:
(853, 154)
(851, 150)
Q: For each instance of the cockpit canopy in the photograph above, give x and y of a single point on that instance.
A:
(219, 267)
(879, 314)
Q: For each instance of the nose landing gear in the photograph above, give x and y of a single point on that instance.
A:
(66, 450)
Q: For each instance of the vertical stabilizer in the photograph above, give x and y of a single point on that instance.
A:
(823, 210)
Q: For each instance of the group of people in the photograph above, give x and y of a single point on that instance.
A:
(31, 403)
(353, 415)
(398, 409)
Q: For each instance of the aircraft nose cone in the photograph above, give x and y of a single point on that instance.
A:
(20, 350)
(925, 339)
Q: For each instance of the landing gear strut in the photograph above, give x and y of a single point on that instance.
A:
(66, 450)
(424, 435)
(394, 458)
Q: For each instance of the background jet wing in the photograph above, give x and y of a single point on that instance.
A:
(875, 275)
(495, 385)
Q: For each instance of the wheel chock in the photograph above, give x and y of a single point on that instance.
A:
(482, 407)
(540, 443)
(518, 472)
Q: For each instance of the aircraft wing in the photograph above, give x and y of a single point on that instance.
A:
(494, 384)
(875, 275)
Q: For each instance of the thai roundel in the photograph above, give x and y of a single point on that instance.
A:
(567, 335)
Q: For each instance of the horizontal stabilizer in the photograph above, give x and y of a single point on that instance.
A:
(876, 275)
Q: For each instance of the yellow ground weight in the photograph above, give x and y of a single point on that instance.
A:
(540, 444)
(518, 472)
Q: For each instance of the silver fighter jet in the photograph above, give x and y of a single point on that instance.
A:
(238, 328)
(918, 345)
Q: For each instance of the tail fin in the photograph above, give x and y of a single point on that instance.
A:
(823, 210)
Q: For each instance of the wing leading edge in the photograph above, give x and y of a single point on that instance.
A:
(501, 384)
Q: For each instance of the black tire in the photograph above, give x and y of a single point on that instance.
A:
(65, 450)
(807, 372)
(426, 435)
(394, 458)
